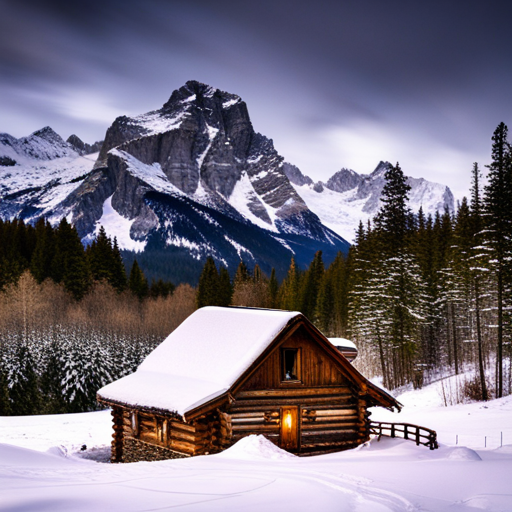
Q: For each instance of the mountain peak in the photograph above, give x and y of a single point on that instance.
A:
(49, 134)
(199, 93)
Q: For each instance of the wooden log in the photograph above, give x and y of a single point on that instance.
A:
(330, 419)
(336, 412)
(327, 439)
(289, 392)
(329, 426)
(180, 446)
(249, 414)
(182, 426)
(255, 428)
(248, 405)
(186, 436)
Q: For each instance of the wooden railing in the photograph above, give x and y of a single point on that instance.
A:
(420, 435)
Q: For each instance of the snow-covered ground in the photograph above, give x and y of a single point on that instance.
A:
(42, 468)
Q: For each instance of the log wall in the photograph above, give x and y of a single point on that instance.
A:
(329, 417)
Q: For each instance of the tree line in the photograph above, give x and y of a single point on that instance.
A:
(57, 253)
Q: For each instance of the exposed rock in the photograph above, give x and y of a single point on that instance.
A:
(82, 148)
(294, 174)
(343, 180)
(7, 161)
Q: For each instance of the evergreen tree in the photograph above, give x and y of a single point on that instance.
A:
(478, 263)
(273, 289)
(311, 283)
(497, 201)
(208, 286)
(225, 290)
(393, 217)
(289, 292)
(69, 264)
(5, 404)
(44, 252)
(24, 384)
(118, 280)
(137, 283)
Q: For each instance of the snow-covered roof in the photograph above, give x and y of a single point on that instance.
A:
(200, 360)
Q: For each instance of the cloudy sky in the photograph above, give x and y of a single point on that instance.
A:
(333, 83)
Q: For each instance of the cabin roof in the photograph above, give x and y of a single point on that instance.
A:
(200, 360)
(207, 355)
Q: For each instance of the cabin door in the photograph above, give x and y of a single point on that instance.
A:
(289, 439)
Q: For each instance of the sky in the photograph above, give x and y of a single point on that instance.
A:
(333, 83)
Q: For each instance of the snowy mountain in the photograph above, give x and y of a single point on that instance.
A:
(192, 179)
(37, 172)
(348, 197)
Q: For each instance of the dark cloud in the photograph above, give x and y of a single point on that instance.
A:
(432, 71)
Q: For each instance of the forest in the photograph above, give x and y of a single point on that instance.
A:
(419, 295)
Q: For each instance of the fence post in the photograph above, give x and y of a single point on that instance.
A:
(406, 432)
(392, 430)
(417, 436)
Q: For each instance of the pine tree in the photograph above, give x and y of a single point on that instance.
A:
(5, 403)
(225, 290)
(311, 283)
(289, 292)
(393, 217)
(497, 201)
(273, 289)
(69, 264)
(118, 280)
(44, 251)
(208, 286)
(24, 384)
(477, 264)
(137, 283)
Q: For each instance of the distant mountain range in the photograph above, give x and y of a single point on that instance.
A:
(190, 180)
(348, 197)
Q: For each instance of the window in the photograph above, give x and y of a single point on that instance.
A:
(290, 364)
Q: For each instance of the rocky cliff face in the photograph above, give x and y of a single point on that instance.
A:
(204, 142)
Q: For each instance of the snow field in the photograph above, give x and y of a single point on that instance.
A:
(43, 469)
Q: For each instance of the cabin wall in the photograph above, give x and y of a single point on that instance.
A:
(143, 436)
(330, 413)
(329, 418)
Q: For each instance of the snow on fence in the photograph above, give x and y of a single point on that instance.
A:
(420, 435)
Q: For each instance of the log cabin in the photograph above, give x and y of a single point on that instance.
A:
(226, 373)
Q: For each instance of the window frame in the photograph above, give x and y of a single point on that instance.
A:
(298, 365)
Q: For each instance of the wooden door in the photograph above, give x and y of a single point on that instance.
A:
(289, 439)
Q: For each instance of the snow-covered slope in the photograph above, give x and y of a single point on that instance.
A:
(34, 187)
(348, 197)
(43, 144)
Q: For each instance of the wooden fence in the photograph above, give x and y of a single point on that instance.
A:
(420, 435)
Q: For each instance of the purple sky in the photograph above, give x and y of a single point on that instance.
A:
(333, 83)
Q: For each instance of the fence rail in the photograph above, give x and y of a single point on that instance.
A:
(420, 435)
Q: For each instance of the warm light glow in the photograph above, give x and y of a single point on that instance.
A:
(288, 420)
